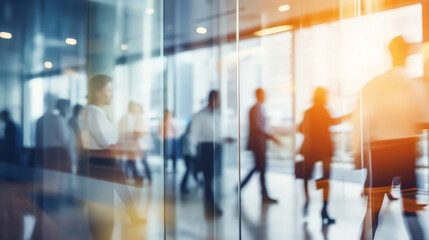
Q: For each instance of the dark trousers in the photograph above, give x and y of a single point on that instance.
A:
(260, 166)
(190, 167)
(170, 152)
(131, 164)
(210, 155)
(390, 159)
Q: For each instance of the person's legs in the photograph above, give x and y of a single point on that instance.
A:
(307, 171)
(261, 163)
(183, 184)
(147, 167)
(174, 153)
(326, 175)
(247, 178)
(381, 172)
(370, 221)
(409, 190)
(207, 152)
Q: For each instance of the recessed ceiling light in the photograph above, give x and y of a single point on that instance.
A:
(5, 35)
(124, 47)
(150, 11)
(48, 65)
(284, 8)
(71, 41)
(273, 30)
(201, 30)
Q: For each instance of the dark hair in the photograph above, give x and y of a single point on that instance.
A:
(76, 109)
(62, 104)
(5, 114)
(96, 84)
(212, 96)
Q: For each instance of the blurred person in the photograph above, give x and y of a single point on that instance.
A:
(145, 140)
(53, 135)
(361, 160)
(167, 133)
(318, 146)
(10, 142)
(189, 153)
(257, 143)
(99, 137)
(132, 133)
(128, 141)
(76, 150)
(393, 114)
(205, 132)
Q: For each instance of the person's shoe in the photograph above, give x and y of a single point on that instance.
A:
(325, 218)
(269, 200)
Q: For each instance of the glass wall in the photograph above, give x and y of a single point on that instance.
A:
(126, 119)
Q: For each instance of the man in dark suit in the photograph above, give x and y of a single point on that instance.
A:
(258, 143)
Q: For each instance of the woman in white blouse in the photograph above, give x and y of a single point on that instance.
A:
(99, 136)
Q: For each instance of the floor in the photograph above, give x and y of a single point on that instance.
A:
(27, 208)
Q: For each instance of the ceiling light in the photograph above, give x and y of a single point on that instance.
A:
(273, 30)
(201, 30)
(124, 47)
(48, 65)
(284, 8)
(71, 41)
(5, 35)
(150, 11)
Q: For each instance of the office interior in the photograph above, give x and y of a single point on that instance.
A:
(167, 56)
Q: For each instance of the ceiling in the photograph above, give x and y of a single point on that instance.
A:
(40, 28)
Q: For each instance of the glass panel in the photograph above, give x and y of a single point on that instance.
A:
(313, 61)
(144, 119)
(125, 59)
(201, 134)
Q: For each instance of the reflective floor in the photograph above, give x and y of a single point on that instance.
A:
(63, 217)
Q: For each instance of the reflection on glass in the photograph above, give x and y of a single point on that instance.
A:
(147, 119)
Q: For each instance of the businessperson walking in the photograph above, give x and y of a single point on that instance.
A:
(257, 143)
(205, 132)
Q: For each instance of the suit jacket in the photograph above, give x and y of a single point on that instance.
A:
(257, 133)
(317, 143)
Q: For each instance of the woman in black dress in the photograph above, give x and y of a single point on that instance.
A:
(318, 146)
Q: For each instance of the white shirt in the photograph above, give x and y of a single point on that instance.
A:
(393, 106)
(206, 126)
(97, 131)
(128, 126)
